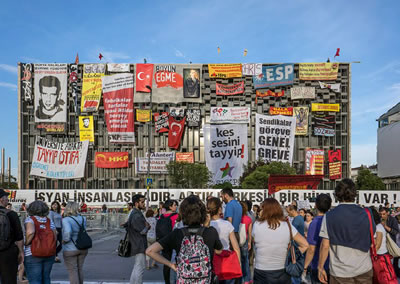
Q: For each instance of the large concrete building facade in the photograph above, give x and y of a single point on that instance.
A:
(193, 140)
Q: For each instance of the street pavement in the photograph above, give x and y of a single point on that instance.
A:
(103, 265)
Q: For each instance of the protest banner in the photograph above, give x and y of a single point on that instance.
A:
(57, 160)
(177, 112)
(73, 84)
(193, 117)
(50, 100)
(272, 76)
(325, 107)
(281, 110)
(324, 125)
(303, 204)
(225, 70)
(91, 86)
(318, 71)
(301, 114)
(175, 131)
(251, 69)
(187, 157)
(300, 92)
(269, 93)
(229, 90)
(144, 78)
(161, 122)
(86, 128)
(26, 82)
(158, 163)
(118, 107)
(314, 162)
(334, 87)
(226, 151)
(118, 67)
(280, 182)
(171, 83)
(143, 115)
(51, 127)
(230, 115)
(275, 138)
(111, 160)
(335, 164)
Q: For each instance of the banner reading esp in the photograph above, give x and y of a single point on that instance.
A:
(86, 128)
(314, 161)
(225, 148)
(272, 76)
(91, 86)
(335, 164)
(301, 114)
(318, 71)
(225, 70)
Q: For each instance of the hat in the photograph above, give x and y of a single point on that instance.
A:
(3, 193)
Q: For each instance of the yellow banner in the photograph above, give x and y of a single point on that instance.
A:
(91, 87)
(86, 129)
(143, 115)
(318, 71)
(301, 114)
(225, 70)
(325, 107)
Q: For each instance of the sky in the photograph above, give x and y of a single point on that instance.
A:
(180, 31)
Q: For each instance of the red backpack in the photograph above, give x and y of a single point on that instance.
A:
(44, 241)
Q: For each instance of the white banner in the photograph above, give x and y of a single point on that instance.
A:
(251, 69)
(300, 92)
(118, 67)
(51, 92)
(333, 87)
(56, 160)
(275, 138)
(158, 163)
(225, 149)
(230, 115)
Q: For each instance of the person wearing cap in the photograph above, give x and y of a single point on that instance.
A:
(12, 252)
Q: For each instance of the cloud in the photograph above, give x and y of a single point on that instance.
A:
(9, 68)
(179, 53)
(8, 85)
(30, 59)
(363, 154)
(391, 67)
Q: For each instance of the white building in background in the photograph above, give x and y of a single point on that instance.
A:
(388, 156)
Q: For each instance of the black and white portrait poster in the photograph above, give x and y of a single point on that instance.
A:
(193, 117)
(50, 92)
(177, 112)
(191, 83)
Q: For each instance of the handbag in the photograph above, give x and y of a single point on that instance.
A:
(226, 265)
(124, 247)
(295, 259)
(381, 264)
(242, 234)
(392, 247)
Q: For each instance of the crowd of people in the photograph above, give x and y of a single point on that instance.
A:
(222, 240)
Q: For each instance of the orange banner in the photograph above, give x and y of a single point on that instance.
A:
(111, 160)
(187, 157)
(281, 110)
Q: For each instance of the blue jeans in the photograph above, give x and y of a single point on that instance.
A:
(244, 257)
(38, 269)
(296, 280)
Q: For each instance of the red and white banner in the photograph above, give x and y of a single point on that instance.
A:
(314, 161)
(281, 110)
(176, 129)
(187, 157)
(335, 164)
(118, 107)
(161, 122)
(111, 160)
(144, 77)
(229, 90)
(280, 182)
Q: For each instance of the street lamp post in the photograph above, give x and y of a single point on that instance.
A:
(149, 146)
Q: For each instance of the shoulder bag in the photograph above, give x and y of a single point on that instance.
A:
(295, 259)
(392, 247)
(124, 247)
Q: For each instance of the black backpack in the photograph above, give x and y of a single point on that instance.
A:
(164, 226)
(5, 230)
(84, 241)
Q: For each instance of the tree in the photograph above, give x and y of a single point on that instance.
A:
(366, 180)
(187, 175)
(256, 177)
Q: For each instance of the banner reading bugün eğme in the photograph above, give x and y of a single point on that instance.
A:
(56, 160)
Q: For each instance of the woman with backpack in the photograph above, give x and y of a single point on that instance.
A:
(73, 257)
(55, 216)
(195, 245)
(40, 243)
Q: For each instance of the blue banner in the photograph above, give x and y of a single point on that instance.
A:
(272, 76)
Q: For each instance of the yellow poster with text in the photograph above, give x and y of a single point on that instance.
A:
(92, 87)
(325, 107)
(143, 115)
(86, 129)
(225, 70)
(318, 71)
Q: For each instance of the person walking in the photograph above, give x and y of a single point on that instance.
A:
(233, 209)
(271, 236)
(307, 221)
(74, 258)
(244, 250)
(137, 230)
(346, 238)
(151, 235)
(55, 216)
(11, 242)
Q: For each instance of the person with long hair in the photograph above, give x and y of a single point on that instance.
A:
(271, 239)
(55, 216)
(307, 221)
(244, 250)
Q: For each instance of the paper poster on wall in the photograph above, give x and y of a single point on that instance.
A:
(226, 151)
(324, 125)
(281, 111)
(86, 128)
(251, 69)
(118, 107)
(50, 92)
(275, 138)
(301, 114)
(111, 160)
(193, 117)
(272, 76)
(118, 67)
(225, 70)
(230, 115)
(91, 86)
(161, 122)
(335, 164)
(57, 160)
(314, 162)
(300, 92)
(318, 71)
(229, 90)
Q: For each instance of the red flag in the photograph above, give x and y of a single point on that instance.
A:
(337, 52)
(175, 132)
(100, 56)
(144, 77)
(77, 58)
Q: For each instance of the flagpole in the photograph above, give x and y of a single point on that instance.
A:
(149, 147)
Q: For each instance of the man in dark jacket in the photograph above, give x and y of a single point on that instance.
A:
(389, 223)
(137, 230)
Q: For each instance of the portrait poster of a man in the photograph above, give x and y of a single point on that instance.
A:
(50, 92)
(191, 83)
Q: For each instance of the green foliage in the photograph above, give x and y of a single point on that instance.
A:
(187, 175)
(223, 185)
(366, 180)
(256, 176)
(9, 185)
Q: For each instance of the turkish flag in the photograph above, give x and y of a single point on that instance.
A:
(144, 77)
(175, 132)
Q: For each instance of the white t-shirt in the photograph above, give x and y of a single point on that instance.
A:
(151, 234)
(271, 245)
(224, 228)
(383, 248)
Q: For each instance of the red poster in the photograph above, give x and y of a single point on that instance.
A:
(335, 164)
(314, 162)
(229, 90)
(281, 110)
(161, 122)
(187, 157)
(111, 160)
(280, 182)
(270, 93)
(175, 132)
(144, 77)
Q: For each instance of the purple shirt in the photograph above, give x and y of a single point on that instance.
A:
(314, 239)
